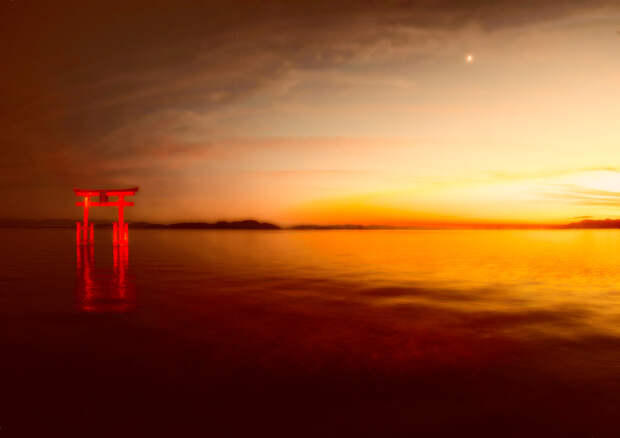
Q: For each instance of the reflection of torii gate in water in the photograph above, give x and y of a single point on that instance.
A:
(85, 233)
(96, 289)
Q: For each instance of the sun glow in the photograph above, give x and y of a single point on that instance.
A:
(554, 198)
(604, 180)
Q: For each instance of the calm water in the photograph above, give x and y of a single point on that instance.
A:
(288, 333)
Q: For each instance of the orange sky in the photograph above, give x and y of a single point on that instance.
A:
(315, 112)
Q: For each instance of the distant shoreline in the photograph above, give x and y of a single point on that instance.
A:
(219, 225)
(252, 224)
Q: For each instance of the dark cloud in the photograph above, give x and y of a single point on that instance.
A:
(96, 64)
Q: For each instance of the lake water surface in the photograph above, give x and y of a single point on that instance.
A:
(313, 333)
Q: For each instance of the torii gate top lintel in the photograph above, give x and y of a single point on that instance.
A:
(109, 192)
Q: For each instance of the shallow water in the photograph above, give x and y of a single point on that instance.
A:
(389, 333)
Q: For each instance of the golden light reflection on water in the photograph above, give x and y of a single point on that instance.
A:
(496, 271)
(572, 276)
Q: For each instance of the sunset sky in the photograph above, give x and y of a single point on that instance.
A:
(314, 111)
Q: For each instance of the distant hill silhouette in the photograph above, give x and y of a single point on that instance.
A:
(223, 225)
(593, 223)
(249, 224)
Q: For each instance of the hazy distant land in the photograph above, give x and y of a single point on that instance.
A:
(248, 224)
(251, 224)
(591, 223)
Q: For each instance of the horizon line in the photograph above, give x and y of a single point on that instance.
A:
(583, 223)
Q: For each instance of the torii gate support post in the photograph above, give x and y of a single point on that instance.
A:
(121, 228)
(85, 233)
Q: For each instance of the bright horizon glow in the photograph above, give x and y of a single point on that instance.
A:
(545, 201)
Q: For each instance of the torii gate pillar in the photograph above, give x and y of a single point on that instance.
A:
(85, 232)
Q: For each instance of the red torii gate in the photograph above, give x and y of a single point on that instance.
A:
(85, 233)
